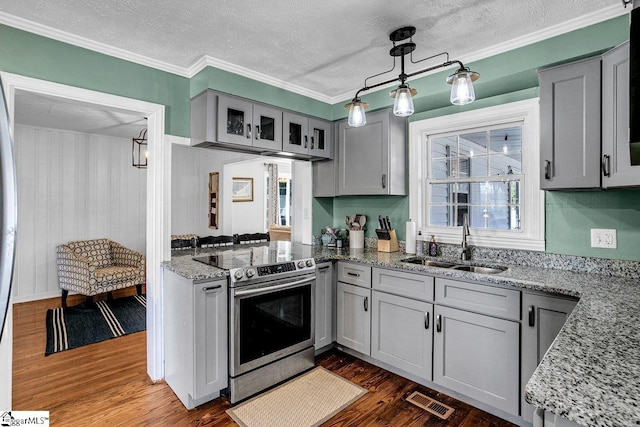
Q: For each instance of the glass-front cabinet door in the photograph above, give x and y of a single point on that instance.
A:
(295, 138)
(267, 123)
(235, 120)
(320, 140)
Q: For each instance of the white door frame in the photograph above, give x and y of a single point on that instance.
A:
(158, 194)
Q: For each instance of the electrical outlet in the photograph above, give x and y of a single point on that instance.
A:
(604, 238)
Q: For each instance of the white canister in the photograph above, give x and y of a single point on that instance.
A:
(356, 239)
(410, 238)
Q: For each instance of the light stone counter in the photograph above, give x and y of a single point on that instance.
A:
(591, 373)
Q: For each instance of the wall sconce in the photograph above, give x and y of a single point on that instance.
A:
(461, 81)
(139, 150)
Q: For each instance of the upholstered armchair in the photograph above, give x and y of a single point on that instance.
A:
(93, 267)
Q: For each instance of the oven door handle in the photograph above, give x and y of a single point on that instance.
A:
(242, 293)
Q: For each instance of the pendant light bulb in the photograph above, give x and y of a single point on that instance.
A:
(357, 116)
(462, 92)
(403, 103)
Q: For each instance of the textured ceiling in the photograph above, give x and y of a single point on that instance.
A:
(328, 47)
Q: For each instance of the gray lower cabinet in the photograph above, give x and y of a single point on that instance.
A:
(196, 338)
(477, 355)
(353, 317)
(617, 170)
(542, 318)
(548, 419)
(325, 296)
(372, 158)
(570, 105)
(402, 333)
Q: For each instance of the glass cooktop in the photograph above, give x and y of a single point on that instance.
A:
(251, 256)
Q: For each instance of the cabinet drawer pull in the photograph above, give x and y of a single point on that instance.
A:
(384, 180)
(323, 268)
(306, 141)
(366, 303)
(606, 165)
(258, 136)
(211, 288)
(353, 274)
(248, 131)
(438, 323)
(547, 169)
(426, 320)
(532, 316)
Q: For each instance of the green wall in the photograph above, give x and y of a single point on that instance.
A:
(510, 77)
(35, 56)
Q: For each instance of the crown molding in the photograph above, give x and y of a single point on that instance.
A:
(63, 36)
(208, 61)
(583, 21)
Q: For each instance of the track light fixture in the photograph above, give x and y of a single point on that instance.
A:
(461, 81)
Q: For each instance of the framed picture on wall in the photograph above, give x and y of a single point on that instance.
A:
(242, 190)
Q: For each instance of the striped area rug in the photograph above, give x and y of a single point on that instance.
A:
(80, 325)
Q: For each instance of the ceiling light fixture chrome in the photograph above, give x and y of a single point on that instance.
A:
(461, 81)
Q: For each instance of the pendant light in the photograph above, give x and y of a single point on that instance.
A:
(462, 91)
(140, 151)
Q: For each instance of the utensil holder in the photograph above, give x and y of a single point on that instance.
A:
(390, 245)
(356, 239)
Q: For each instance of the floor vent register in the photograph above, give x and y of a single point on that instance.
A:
(432, 406)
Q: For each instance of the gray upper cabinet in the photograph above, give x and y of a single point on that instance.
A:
(324, 173)
(570, 103)
(542, 318)
(320, 138)
(617, 170)
(267, 127)
(372, 158)
(235, 120)
(306, 136)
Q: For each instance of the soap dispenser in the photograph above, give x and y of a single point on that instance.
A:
(433, 246)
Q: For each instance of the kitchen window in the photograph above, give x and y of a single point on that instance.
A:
(483, 163)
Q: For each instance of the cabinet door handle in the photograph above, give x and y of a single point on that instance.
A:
(606, 165)
(384, 180)
(248, 131)
(353, 274)
(547, 169)
(258, 136)
(426, 320)
(312, 142)
(211, 288)
(438, 323)
(366, 303)
(306, 141)
(532, 316)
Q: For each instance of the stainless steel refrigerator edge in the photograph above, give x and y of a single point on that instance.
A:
(8, 210)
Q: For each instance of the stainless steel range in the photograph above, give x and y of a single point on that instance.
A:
(271, 320)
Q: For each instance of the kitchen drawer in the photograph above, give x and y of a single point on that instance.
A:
(483, 299)
(356, 274)
(410, 285)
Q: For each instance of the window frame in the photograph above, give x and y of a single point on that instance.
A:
(531, 236)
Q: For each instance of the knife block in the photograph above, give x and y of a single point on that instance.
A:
(390, 245)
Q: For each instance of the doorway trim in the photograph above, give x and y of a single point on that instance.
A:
(158, 193)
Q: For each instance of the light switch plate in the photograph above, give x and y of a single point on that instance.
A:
(604, 238)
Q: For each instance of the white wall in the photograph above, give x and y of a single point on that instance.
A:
(246, 217)
(190, 168)
(72, 186)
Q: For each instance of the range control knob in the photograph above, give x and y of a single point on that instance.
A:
(300, 264)
(250, 273)
(309, 263)
(239, 274)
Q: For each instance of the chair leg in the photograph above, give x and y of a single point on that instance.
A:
(139, 288)
(89, 300)
(110, 296)
(64, 298)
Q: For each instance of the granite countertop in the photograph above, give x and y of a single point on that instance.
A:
(591, 373)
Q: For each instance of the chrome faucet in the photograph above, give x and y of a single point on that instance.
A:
(466, 251)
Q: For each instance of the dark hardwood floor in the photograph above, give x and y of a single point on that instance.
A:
(106, 384)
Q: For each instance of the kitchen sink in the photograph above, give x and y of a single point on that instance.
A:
(462, 267)
(479, 269)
